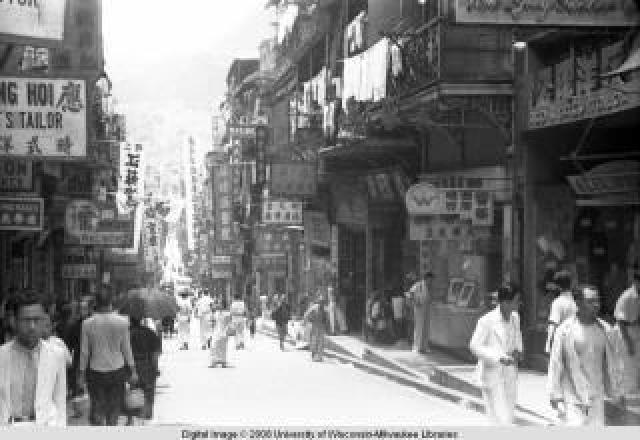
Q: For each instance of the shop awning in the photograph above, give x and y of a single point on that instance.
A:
(631, 64)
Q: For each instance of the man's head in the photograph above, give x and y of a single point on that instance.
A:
(588, 302)
(84, 309)
(30, 311)
(104, 298)
(563, 280)
(428, 277)
(508, 299)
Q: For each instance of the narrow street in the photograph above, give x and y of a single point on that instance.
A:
(265, 386)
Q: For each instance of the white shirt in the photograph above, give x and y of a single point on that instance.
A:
(628, 305)
(589, 343)
(420, 292)
(562, 308)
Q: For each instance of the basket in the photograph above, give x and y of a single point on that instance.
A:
(134, 399)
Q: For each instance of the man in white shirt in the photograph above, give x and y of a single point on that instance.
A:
(204, 314)
(562, 308)
(420, 296)
(106, 360)
(497, 343)
(581, 364)
(33, 379)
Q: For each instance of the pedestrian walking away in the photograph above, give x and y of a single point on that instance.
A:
(146, 348)
(33, 378)
(106, 360)
(318, 317)
(184, 321)
(497, 343)
(220, 339)
(582, 367)
(281, 316)
(238, 312)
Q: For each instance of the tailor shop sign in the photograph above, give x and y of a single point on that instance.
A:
(42, 117)
(547, 13)
(21, 214)
(87, 223)
(32, 19)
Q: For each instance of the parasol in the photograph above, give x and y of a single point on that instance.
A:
(149, 303)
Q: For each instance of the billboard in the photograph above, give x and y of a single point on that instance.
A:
(547, 13)
(88, 223)
(43, 117)
(32, 19)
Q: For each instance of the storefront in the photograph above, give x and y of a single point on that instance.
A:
(581, 200)
(457, 220)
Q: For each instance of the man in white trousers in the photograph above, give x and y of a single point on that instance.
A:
(420, 296)
(582, 368)
(497, 343)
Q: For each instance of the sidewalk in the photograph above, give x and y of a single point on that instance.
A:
(440, 368)
(442, 371)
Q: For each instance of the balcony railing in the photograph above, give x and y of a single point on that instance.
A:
(415, 60)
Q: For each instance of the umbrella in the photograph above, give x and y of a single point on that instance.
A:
(149, 303)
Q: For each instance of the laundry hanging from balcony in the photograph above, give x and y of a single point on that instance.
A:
(365, 75)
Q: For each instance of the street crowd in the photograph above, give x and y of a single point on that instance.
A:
(111, 359)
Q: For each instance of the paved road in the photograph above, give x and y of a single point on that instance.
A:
(265, 386)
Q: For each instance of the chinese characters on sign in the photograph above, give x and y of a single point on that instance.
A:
(86, 223)
(16, 175)
(261, 152)
(79, 271)
(43, 117)
(283, 212)
(21, 214)
(42, 19)
(151, 244)
(223, 191)
(131, 174)
(294, 179)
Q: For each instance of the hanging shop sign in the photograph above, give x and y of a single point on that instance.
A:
(317, 225)
(21, 214)
(32, 19)
(544, 13)
(297, 179)
(79, 271)
(262, 138)
(351, 204)
(282, 212)
(43, 117)
(87, 223)
(592, 185)
(16, 175)
(424, 199)
(131, 185)
(221, 259)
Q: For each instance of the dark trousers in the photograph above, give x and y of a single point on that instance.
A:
(282, 333)
(106, 394)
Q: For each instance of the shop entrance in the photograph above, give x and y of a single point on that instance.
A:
(607, 245)
(352, 275)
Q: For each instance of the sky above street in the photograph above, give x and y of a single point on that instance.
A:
(168, 61)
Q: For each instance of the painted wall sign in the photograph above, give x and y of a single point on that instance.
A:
(86, 223)
(79, 271)
(16, 175)
(21, 214)
(43, 117)
(283, 212)
(545, 13)
(41, 19)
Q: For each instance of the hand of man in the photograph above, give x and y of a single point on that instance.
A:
(81, 382)
(134, 378)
